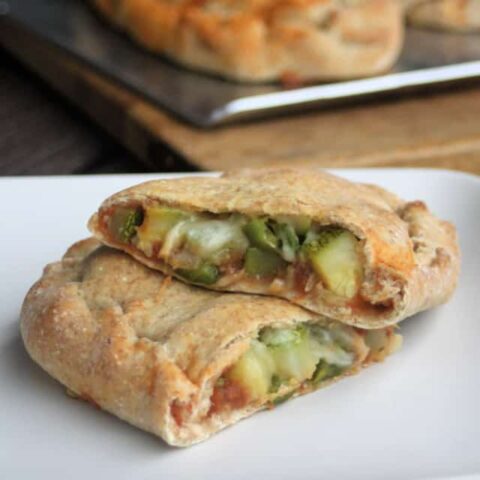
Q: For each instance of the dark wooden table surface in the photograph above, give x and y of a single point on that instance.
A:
(41, 134)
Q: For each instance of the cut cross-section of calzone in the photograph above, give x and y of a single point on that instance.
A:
(264, 40)
(176, 360)
(352, 252)
(460, 15)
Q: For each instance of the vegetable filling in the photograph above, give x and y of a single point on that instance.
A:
(206, 249)
(281, 361)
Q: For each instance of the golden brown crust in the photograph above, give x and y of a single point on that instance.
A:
(134, 342)
(460, 15)
(262, 40)
(388, 228)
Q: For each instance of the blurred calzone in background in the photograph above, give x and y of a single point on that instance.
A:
(460, 15)
(267, 40)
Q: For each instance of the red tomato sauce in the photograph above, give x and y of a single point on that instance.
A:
(229, 395)
(180, 412)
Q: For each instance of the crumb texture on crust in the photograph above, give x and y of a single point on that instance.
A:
(264, 40)
(460, 15)
(411, 257)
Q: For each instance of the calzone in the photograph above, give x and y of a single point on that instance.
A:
(176, 360)
(461, 15)
(265, 40)
(352, 252)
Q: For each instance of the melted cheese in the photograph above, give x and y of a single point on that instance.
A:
(206, 237)
(202, 237)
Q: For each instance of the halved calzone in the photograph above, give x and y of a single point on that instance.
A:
(263, 40)
(180, 361)
(461, 15)
(352, 252)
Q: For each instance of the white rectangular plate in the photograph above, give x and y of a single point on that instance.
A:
(414, 416)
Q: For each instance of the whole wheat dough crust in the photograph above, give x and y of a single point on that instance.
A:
(134, 342)
(265, 40)
(411, 258)
(459, 15)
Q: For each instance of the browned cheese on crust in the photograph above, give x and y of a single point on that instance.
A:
(455, 15)
(411, 258)
(265, 40)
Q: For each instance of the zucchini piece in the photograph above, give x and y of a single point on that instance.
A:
(205, 274)
(334, 256)
(260, 235)
(262, 263)
(158, 222)
(254, 370)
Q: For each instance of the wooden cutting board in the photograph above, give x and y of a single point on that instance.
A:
(435, 130)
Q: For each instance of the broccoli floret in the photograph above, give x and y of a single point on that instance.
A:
(289, 243)
(124, 222)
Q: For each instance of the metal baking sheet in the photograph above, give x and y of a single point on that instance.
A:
(429, 59)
